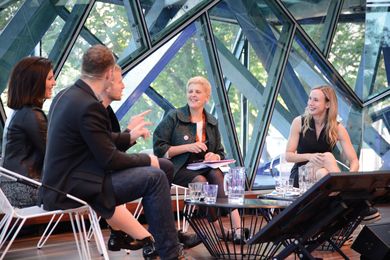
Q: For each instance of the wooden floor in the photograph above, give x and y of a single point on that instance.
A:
(62, 247)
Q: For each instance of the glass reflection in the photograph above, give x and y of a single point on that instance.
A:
(115, 26)
(310, 15)
(246, 55)
(375, 154)
(167, 71)
(40, 30)
(142, 104)
(162, 16)
(71, 70)
(7, 11)
(348, 44)
(376, 49)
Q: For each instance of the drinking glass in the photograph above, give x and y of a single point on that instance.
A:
(302, 178)
(234, 184)
(202, 194)
(210, 191)
(195, 191)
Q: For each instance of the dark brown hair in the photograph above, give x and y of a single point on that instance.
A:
(27, 83)
(97, 60)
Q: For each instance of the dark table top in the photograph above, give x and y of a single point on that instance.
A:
(247, 204)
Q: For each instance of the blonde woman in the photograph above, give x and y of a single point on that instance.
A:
(189, 134)
(314, 135)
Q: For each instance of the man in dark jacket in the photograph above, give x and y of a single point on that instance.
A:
(114, 93)
(82, 158)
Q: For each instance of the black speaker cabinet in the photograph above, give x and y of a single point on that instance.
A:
(373, 242)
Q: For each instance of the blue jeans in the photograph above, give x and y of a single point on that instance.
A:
(152, 185)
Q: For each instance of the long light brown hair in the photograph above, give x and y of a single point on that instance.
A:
(330, 117)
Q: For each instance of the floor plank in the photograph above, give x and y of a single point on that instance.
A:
(63, 247)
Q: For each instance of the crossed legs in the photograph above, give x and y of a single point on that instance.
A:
(151, 184)
(329, 164)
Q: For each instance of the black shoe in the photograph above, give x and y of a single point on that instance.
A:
(240, 236)
(149, 251)
(188, 240)
(370, 215)
(120, 240)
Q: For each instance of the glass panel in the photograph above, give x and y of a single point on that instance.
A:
(167, 70)
(244, 125)
(311, 16)
(71, 70)
(301, 74)
(376, 40)
(71, 3)
(171, 82)
(162, 16)
(35, 30)
(142, 104)
(226, 32)
(50, 37)
(381, 82)
(375, 154)
(115, 26)
(7, 11)
(348, 43)
(247, 55)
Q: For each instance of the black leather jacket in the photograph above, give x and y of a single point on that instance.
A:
(24, 141)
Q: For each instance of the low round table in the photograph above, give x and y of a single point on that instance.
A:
(213, 224)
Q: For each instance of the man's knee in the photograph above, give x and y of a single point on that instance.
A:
(157, 175)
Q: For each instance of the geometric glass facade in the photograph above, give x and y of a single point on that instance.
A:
(261, 57)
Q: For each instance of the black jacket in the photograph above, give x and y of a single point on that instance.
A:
(24, 141)
(81, 152)
(176, 129)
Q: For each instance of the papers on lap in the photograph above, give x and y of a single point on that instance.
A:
(209, 164)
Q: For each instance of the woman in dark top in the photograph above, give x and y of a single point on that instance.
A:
(24, 137)
(314, 135)
(190, 134)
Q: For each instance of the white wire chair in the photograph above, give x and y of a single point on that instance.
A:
(177, 191)
(76, 216)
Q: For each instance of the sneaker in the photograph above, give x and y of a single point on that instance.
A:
(370, 215)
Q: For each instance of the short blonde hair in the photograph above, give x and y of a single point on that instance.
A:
(202, 81)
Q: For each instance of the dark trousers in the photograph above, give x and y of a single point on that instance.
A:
(152, 185)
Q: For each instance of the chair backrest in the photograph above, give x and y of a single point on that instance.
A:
(279, 162)
(28, 181)
(5, 205)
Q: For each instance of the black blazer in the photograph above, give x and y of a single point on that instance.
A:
(81, 152)
(24, 141)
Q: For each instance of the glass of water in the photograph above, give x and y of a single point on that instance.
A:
(210, 191)
(195, 191)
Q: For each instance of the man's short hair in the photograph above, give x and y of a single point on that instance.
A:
(97, 60)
